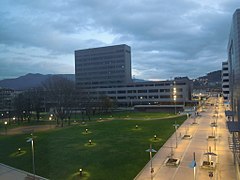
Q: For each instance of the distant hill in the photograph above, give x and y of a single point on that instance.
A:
(30, 81)
(212, 80)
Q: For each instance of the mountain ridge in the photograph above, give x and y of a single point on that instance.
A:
(32, 80)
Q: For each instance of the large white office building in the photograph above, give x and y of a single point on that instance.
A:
(106, 71)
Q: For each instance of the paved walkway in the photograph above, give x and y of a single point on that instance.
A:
(225, 169)
(10, 173)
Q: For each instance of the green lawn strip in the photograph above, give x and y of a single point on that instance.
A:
(133, 114)
(118, 153)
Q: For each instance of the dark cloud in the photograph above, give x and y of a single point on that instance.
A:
(168, 38)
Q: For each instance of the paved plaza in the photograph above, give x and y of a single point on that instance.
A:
(207, 149)
(10, 173)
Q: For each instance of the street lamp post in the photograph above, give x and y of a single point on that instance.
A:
(80, 172)
(5, 123)
(8, 115)
(175, 97)
(33, 162)
(176, 126)
(151, 150)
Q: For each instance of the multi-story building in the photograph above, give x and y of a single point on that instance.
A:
(234, 86)
(147, 93)
(103, 66)
(225, 82)
(106, 71)
(6, 99)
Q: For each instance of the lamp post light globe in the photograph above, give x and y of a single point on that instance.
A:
(155, 137)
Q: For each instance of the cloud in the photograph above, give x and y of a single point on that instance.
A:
(168, 38)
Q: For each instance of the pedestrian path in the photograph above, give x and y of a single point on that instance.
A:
(201, 144)
(10, 173)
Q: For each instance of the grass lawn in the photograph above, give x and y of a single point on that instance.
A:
(117, 150)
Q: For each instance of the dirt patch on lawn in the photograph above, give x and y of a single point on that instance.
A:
(29, 129)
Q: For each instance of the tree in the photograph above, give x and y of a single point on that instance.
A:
(106, 103)
(36, 99)
(60, 95)
(22, 107)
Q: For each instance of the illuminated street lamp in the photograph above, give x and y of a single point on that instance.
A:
(90, 142)
(5, 123)
(155, 137)
(174, 94)
(80, 172)
(33, 162)
(150, 150)
(176, 126)
(175, 108)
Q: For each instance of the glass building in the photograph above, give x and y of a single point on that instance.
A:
(234, 86)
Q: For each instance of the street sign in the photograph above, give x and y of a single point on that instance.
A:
(193, 164)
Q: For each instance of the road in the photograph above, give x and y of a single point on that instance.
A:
(200, 144)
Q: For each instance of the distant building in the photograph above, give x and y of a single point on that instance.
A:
(6, 99)
(147, 93)
(103, 66)
(225, 81)
(106, 71)
(234, 86)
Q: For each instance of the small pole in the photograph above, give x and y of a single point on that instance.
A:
(194, 168)
(80, 172)
(33, 158)
(5, 123)
(150, 153)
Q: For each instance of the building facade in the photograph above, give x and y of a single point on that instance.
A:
(225, 82)
(6, 100)
(106, 71)
(176, 92)
(234, 86)
(103, 66)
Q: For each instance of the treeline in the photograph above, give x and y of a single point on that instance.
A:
(59, 97)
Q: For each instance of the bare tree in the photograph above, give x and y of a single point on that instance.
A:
(22, 107)
(106, 104)
(60, 95)
(36, 99)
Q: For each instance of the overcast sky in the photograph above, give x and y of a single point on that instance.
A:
(168, 38)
